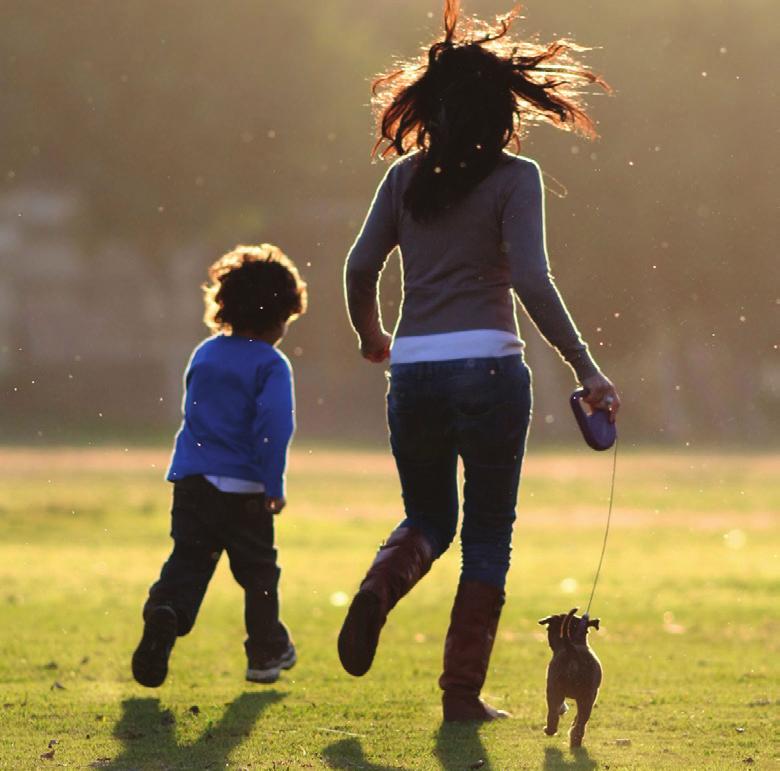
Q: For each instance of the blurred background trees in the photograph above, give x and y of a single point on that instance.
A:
(142, 139)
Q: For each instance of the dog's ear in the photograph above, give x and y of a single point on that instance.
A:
(594, 622)
(546, 620)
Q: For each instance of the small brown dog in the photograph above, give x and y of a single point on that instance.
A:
(573, 673)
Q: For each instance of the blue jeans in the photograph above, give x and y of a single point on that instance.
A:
(478, 409)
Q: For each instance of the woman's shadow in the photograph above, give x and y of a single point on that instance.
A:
(148, 733)
(459, 747)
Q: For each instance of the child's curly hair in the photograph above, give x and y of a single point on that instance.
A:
(253, 289)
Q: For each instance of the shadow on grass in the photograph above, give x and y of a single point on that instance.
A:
(149, 734)
(348, 753)
(554, 760)
(458, 747)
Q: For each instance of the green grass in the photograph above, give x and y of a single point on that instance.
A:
(688, 640)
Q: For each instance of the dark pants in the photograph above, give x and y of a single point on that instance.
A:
(206, 521)
(478, 409)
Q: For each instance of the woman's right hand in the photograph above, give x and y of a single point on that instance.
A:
(378, 350)
(602, 395)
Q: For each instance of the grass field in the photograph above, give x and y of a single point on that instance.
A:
(688, 601)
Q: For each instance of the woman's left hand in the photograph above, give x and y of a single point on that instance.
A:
(602, 395)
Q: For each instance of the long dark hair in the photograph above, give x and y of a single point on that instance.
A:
(473, 94)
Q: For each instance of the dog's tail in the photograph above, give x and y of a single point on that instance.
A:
(566, 628)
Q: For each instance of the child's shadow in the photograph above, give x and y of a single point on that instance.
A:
(459, 747)
(348, 753)
(555, 761)
(149, 733)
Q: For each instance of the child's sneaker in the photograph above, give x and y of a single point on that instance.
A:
(150, 660)
(266, 669)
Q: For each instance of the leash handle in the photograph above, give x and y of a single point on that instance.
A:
(606, 531)
(595, 426)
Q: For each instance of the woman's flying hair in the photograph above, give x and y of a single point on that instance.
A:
(468, 97)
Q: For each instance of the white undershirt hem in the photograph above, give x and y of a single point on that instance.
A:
(234, 485)
(470, 344)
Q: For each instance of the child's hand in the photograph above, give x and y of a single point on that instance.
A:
(275, 505)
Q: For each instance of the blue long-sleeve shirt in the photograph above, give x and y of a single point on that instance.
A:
(238, 413)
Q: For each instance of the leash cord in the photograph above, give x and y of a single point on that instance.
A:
(606, 531)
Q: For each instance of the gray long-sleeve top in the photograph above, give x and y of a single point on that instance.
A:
(459, 269)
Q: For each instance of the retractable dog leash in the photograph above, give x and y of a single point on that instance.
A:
(600, 435)
(606, 530)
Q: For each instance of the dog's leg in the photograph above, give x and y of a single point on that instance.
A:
(555, 706)
(577, 730)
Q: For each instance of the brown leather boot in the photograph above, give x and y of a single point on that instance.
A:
(473, 624)
(401, 562)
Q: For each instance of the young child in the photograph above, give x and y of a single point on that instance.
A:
(228, 463)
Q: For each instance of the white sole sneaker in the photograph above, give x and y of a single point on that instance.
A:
(271, 673)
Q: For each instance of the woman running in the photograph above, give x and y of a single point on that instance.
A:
(468, 217)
